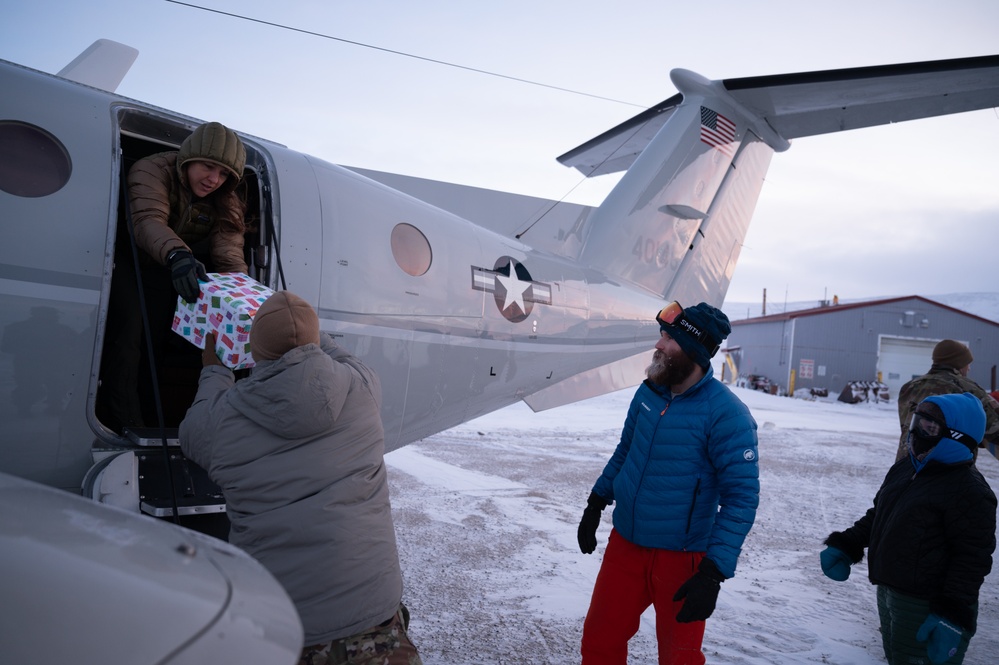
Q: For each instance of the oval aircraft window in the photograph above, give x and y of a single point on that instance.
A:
(33, 163)
(411, 249)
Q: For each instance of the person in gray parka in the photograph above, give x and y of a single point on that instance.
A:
(297, 448)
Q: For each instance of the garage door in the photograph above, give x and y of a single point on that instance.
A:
(902, 359)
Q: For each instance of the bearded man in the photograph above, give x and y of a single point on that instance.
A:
(685, 483)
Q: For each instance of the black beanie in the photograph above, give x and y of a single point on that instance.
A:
(707, 319)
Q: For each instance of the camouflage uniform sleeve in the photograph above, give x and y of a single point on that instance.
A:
(991, 421)
(991, 415)
(905, 406)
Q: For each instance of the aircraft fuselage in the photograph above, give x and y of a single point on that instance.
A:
(458, 320)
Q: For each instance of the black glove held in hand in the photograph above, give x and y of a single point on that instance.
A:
(701, 592)
(185, 271)
(587, 532)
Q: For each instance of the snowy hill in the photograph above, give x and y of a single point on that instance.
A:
(984, 304)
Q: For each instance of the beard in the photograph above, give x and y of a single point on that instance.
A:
(669, 370)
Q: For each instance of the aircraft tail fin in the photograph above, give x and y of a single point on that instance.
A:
(102, 65)
(695, 162)
(675, 222)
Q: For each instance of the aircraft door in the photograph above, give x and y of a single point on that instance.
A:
(55, 202)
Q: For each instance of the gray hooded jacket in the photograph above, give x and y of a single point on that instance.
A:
(298, 451)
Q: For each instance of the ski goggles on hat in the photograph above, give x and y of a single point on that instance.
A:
(930, 430)
(671, 316)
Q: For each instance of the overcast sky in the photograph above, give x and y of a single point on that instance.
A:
(911, 209)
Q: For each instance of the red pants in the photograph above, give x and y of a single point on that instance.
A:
(630, 579)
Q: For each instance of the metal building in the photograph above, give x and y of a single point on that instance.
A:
(887, 340)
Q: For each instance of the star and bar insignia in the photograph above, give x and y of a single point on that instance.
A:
(512, 287)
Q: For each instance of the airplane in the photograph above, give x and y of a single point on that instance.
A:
(464, 300)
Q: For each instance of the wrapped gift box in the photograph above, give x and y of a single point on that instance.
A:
(226, 306)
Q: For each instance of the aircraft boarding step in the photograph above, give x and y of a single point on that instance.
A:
(195, 491)
(147, 437)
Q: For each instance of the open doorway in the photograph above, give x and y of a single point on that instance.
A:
(166, 379)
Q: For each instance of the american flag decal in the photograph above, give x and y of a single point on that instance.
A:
(717, 130)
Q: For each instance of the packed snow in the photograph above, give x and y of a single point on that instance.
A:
(486, 516)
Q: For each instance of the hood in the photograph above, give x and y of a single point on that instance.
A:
(947, 452)
(293, 397)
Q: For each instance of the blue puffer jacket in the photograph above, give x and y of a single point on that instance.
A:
(679, 459)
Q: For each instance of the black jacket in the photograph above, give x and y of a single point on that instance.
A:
(929, 535)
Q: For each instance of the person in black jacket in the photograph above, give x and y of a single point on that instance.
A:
(929, 536)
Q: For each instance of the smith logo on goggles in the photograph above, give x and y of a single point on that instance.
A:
(671, 316)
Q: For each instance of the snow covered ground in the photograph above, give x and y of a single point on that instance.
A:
(486, 517)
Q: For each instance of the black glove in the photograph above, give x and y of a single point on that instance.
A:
(185, 271)
(701, 592)
(587, 532)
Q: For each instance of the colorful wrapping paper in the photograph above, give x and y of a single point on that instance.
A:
(226, 306)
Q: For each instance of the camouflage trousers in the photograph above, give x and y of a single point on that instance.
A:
(387, 644)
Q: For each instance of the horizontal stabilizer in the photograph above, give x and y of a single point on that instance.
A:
(812, 103)
(808, 104)
(616, 149)
(618, 375)
(103, 65)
